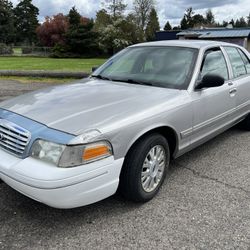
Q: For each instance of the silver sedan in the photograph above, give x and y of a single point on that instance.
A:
(69, 146)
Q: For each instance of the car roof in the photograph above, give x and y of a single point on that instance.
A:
(197, 44)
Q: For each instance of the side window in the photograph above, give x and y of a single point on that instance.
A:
(237, 63)
(245, 60)
(214, 63)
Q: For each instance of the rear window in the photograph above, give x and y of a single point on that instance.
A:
(238, 65)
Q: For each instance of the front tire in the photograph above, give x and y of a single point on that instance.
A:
(246, 123)
(145, 168)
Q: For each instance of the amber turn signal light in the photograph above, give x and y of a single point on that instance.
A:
(97, 151)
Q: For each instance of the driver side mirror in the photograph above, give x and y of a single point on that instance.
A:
(210, 81)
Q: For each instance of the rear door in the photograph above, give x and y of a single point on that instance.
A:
(214, 108)
(240, 65)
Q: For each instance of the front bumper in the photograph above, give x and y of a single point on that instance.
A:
(59, 187)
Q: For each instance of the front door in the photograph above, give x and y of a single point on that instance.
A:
(213, 108)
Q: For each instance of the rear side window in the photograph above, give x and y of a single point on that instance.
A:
(214, 63)
(237, 62)
(245, 60)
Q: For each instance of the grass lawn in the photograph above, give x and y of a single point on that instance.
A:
(34, 63)
(23, 79)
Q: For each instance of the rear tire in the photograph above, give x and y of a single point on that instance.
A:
(145, 168)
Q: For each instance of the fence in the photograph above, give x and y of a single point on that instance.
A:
(31, 51)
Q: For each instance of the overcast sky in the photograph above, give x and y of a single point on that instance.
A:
(171, 10)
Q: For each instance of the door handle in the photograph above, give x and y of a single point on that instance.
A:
(233, 91)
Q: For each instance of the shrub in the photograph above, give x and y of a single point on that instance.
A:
(5, 49)
(58, 51)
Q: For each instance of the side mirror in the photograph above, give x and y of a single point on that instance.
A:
(94, 69)
(210, 81)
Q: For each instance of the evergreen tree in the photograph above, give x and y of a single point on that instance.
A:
(241, 23)
(189, 17)
(177, 28)
(102, 20)
(80, 37)
(7, 29)
(232, 22)
(26, 21)
(74, 18)
(209, 17)
(248, 20)
(187, 20)
(225, 24)
(184, 23)
(152, 25)
(167, 26)
(190, 20)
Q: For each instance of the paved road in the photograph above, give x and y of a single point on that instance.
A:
(204, 204)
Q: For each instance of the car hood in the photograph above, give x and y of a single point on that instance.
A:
(90, 104)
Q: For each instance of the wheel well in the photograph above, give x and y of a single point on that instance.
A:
(168, 133)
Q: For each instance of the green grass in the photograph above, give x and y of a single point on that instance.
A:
(23, 79)
(34, 63)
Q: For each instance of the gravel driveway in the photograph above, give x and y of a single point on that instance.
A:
(204, 204)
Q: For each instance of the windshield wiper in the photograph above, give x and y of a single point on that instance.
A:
(133, 81)
(101, 77)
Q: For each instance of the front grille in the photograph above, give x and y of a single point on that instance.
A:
(13, 138)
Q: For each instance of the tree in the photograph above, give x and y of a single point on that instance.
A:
(7, 29)
(102, 19)
(26, 21)
(116, 31)
(197, 21)
(142, 10)
(119, 34)
(232, 22)
(152, 26)
(210, 20)
(240, 23)
(115, 7)
(74, 18)
(190, 20)
(189, 16)
(248, 20)
(184, 23)
(177, 28)
(80, 37)
(187, 20)
(134, 35)
(167, 26)
(53, 30)
(225, 24)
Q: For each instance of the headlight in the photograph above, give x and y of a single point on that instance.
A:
(70, 155)
(47, 151)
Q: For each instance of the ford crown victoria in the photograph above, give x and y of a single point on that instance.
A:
(72, 145)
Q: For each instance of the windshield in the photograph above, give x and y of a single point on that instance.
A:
(169, 67)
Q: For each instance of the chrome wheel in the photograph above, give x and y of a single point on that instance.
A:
(153, 168)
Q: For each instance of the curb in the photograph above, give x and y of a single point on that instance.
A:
(43, 73)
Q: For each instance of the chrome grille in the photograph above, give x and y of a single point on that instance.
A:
(13, 138)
